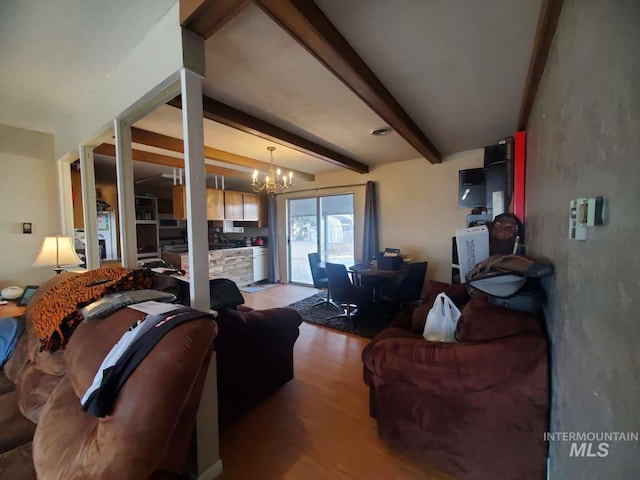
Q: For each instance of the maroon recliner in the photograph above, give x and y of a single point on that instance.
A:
(477, 408)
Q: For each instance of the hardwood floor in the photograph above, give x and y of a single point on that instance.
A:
(317, 426)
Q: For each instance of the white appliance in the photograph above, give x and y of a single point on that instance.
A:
(107, 234)
(260, 263)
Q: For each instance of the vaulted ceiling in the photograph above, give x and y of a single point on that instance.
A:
(314, 79)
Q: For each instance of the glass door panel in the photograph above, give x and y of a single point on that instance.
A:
(319, 224)
(303, 238)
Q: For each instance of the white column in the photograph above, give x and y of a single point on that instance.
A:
(88, 176)
(65, 198)
(126, 194)
(197, 232)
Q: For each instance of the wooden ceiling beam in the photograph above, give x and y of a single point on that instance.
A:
(308, 25)
(165, 142)
(227, 115)
(545, 31)
(210, 16)
(167, 161)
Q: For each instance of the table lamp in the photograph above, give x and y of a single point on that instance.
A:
(57, 252)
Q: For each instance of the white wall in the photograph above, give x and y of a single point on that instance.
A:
(28, 194)
(417, 202)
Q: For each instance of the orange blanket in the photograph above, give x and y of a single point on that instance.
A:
(56, 315)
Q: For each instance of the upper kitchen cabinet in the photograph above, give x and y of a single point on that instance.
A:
(224, 205)
(215, 204)
(251, 207)
(233, 205)
(179, 196)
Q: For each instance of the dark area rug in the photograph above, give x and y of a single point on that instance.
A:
(368, 323)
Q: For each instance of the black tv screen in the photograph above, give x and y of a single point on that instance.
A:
(471, 188)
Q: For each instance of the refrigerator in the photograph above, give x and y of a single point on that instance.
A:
(107, 236)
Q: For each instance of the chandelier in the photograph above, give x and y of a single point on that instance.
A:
(273, 182)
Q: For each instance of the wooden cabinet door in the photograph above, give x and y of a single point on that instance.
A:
(215, 204)
(251, 206)
(179, 202)
(233, 208)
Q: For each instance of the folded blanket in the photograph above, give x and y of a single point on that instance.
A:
(10, 330)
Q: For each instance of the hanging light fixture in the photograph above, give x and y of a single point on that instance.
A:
(273, 182)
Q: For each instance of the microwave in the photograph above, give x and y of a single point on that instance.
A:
(166, 220)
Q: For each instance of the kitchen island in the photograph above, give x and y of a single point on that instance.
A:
(234, 263)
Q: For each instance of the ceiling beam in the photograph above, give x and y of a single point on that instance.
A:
(165, 142)
(308, 25)
(227, 115)
(167, 161)
(546, 29)
(210, 16)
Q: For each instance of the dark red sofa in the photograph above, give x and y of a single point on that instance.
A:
(477, 409)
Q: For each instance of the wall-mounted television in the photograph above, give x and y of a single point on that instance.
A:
(471, 188)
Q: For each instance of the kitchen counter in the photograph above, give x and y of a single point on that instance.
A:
(234, 262)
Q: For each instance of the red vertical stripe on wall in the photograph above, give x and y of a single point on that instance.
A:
(518, 175)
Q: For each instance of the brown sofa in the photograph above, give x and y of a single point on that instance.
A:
(147, 434)
(477, 408)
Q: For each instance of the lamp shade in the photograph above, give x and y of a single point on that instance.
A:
(56, 252)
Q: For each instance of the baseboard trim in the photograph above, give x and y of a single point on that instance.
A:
(214, 471)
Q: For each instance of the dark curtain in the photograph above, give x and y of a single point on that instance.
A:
(370, 241)
(273, 270)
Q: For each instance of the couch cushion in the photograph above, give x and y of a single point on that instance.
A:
(33, 389)
(16, 430)
(481, 321)
(17, 464)
(6, 385)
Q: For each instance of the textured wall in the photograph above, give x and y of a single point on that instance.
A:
(584, 140)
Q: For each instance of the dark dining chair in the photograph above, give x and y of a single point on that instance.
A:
(345, 293)
(408, 288)
(320, 280)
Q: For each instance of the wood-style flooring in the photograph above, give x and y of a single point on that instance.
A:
(317, 426)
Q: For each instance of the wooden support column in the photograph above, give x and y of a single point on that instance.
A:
(126, 194)
(88, 176)
(209, 464)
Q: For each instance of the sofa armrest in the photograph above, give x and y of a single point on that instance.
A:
(453, 367)
(237, 327)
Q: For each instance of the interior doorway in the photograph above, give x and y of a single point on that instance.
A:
(319, 224)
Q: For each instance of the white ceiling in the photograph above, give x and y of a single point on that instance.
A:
(457, 67)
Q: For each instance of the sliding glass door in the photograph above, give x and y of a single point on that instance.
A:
(319, 224)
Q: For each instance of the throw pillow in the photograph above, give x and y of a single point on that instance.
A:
(481, 321)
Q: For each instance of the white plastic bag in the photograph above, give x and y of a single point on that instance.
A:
(441, 320)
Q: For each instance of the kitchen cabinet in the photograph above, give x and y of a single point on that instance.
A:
(215, 204)
(224, 205)
(179, 196)
(251, 207)
(233, 206)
